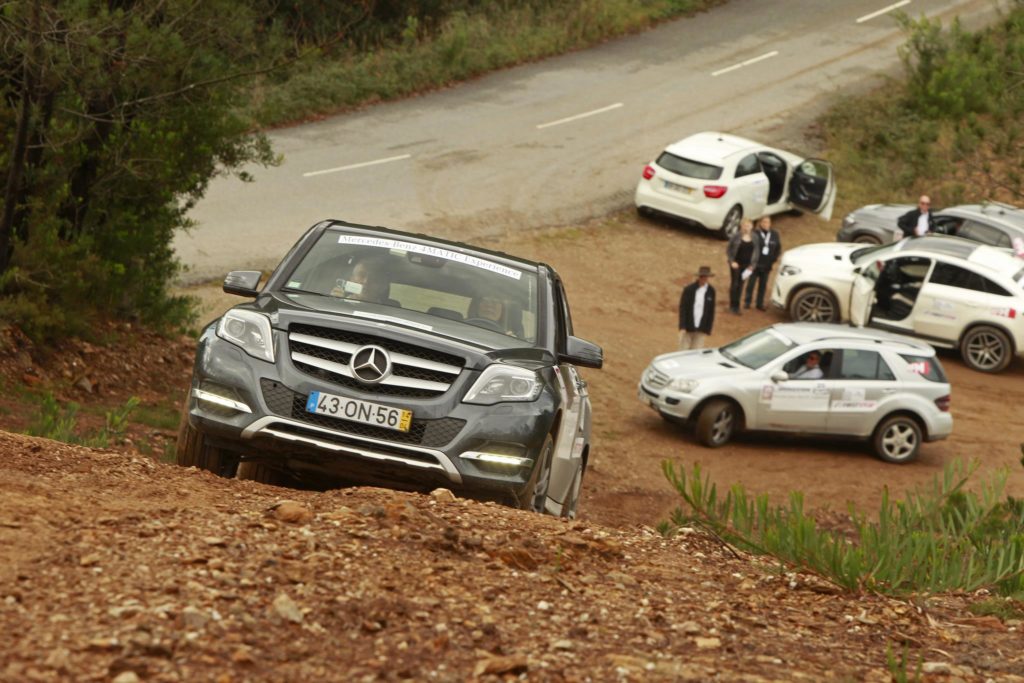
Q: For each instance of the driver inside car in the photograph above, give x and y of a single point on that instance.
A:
(491, 313)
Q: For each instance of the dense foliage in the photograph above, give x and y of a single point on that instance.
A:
(117, 115)
(119, 112)
(953, 127)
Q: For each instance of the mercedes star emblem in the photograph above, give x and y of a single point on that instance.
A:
(370, 364)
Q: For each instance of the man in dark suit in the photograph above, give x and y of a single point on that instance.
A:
(767, 246)
(696, 311)
(918, 221)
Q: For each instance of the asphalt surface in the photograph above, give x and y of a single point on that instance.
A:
(561, 140)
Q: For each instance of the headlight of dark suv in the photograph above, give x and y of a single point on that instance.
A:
(499, 383)
(248, 330)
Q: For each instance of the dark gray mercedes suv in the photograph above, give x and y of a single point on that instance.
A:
(373, 356)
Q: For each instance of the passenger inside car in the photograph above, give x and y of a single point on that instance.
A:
(897, 288)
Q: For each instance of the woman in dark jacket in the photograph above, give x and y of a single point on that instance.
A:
(742, 259)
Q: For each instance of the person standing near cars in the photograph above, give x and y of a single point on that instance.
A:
(918, 221)
(742, 259)
(696, 311)
(767, 247)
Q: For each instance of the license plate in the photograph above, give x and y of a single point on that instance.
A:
(677, 188)
(359, 411)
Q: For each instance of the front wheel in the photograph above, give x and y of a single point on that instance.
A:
(537, 496)
(897, 439)
(986, 349)
(731, 223)
(814, 305)
(865, 238)
(572, 499)
(717, 423)
(192, 450)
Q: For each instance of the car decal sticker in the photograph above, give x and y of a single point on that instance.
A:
(793, 397)
(854, 406)
(447, 254)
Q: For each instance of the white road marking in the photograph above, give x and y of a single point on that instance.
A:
(752, 60)
(352, 166)
(884, 10)
(579, 116)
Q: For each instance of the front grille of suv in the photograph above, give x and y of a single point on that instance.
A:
(431, 433)
(656, 378)
(417, 372)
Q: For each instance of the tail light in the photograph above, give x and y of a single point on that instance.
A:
(943, 403)
(714, 191)
(648, 172)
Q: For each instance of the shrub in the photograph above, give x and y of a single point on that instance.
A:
(945, 538)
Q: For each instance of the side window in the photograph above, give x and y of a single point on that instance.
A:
(748, 166)
(948, 225)
(986, 234)
(860, 364)
(955, 276)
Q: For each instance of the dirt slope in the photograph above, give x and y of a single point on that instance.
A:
(114, 567)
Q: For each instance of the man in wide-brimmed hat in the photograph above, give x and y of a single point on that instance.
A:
(696, 310)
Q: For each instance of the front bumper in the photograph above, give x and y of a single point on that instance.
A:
(667, 402)
(279, 431)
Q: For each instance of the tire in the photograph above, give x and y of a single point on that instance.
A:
(986, 349)
(717, 423)
(731, 223)
(865, 238)
(572, 499)
(897, 439)
(814, 305)
(537, 494)
(254, 470)
(193, 451)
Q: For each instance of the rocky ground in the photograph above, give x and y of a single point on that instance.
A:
(117, 566)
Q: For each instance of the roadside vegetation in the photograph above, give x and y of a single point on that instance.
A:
(945, 538)
(118, 116)
(951, 127)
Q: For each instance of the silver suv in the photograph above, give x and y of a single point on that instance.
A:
(807, 378)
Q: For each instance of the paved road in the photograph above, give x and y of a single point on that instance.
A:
(556, 141)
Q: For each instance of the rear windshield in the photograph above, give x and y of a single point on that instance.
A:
(689, 167)
(929, 368)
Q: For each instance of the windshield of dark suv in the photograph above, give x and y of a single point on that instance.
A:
(370, 271)
(689, 167)
(758, 348)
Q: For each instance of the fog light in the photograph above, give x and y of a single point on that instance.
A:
(212, 396)
(497, 458)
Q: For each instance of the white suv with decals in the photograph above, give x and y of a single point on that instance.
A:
(807, 378)
(951, 292)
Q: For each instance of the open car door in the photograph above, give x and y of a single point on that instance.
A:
(862, 293)
(813, 188)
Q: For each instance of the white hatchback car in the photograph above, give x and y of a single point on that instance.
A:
(952, 292)
(715, 179)
(864, 384)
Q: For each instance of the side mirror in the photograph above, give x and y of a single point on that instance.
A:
(780, 376)
(242, 282)
(583, 353)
